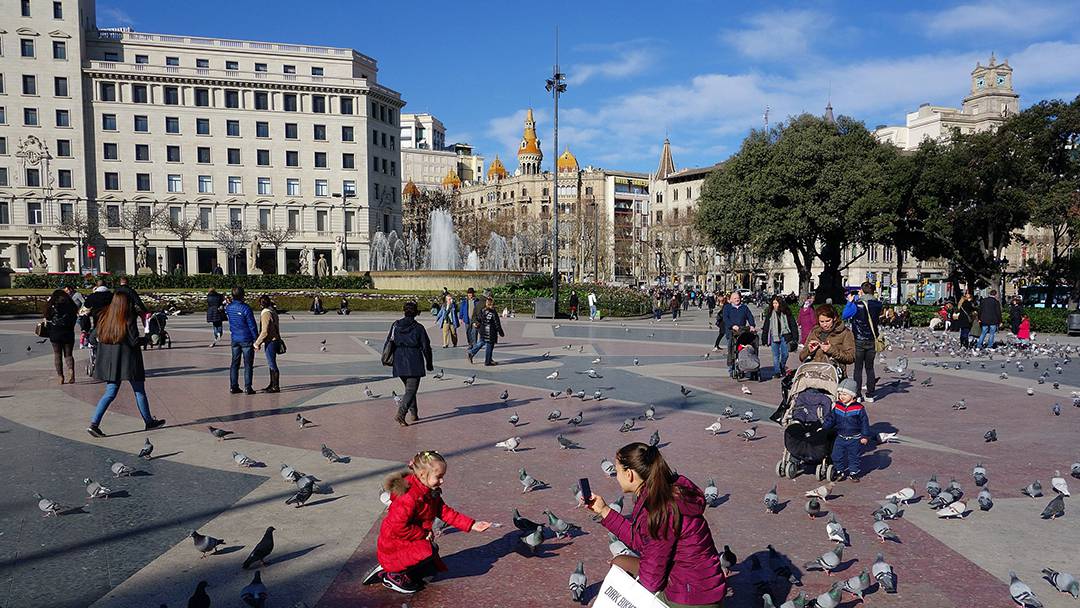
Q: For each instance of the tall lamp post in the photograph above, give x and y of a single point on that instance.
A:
(556, 85)
(345, 195)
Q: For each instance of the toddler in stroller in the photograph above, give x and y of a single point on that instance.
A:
(743, 351)
(155, 331)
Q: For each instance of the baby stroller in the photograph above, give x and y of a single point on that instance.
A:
(802, 415)
(747, 363)
(155, 331)
(92, 345)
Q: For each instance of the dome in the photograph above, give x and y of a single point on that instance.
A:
(529, 143)
(496, 170)
(566, 161)
(451, 180)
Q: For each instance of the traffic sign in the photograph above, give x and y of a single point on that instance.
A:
(91, 251)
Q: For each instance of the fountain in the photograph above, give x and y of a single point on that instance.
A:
(444, 246)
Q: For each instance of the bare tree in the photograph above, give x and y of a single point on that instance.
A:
(136, 219)
(276, 237)
(81, 228)
(535, 244)
(182, 228)
(233, 239)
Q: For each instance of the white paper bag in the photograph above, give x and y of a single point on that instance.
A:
(620, 590)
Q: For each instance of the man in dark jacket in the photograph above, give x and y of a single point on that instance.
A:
(1016, 314)
(242, 331)
(989, 319)
(736, 316)
(490, 331)
(863, 314)
(136, 301)
(412, 355)
(468, 313)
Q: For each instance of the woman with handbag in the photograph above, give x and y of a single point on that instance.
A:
(270, 341)
(60, 316)
(120, 359)
(408, 350)
(780, 330)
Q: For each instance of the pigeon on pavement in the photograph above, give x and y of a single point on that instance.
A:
(608, 467)
(510, 445)
(1021, 593)
(147, 449)
(95, 489)
(199, 599)
(262, 550)
(986, 501)
(884, 574)
(1058, 484)
(835, 530)
(884, 531)
(565, 443)
(523, 524)
(330, 455)
(48, 506)
(513, 420)
(302, 495)
(1033, 489)
(827, 561)
(561, 527)
(120, 469)
(207, 545)
(534, 539)
(301, 422)
(219, 433)
(528, 482)
(578, 582)
(1062, 581)
(255, 593)
(242, 459)
(771, 501)
(1055, 508)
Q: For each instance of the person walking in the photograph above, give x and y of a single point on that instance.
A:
(217, 269)
(468, 312)
(215, 313)
(710, 301)
(830, 341)
(594, 314)
(136, 301)
(76, 297)
(721, 302)
(965, 318)
(807, 318)
(989, 319)
(573, 305)
(675, 306)
(1016, 314)
(242, 333)
(863, 313)
(119, 359)
(779, 328)
(269, 334)
(667, 528)
(412, 355)
(490, 331)
(60, 316)
(736, 317)
(448, 320)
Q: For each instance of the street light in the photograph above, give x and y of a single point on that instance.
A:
(556, 85)
(345, 195)
(596, 242)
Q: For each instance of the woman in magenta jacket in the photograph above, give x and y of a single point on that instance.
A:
(679, 561)
(807, 319)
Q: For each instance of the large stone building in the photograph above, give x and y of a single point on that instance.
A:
(118, 125)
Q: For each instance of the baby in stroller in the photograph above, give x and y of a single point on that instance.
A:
(744, 353)
(155, 330)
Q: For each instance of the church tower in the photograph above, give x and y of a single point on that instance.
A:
(992, 90)
(529, 154)
(667, 164)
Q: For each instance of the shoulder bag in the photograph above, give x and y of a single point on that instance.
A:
(279, 346)
(388, 349)
(42, 328)
(879, 341)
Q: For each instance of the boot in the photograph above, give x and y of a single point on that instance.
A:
(275, 382)
(269, 385)
(71, 376)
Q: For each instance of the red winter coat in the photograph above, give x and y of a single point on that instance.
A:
(403, 538)
(685, 564)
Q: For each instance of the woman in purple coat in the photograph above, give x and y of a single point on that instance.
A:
(667, 528)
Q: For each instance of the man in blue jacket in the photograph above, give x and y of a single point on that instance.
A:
(863, 314)
(242, 331)
(852, 426)
(737, 317)
(469, 313)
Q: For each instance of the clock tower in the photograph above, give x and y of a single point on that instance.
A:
(992, 90)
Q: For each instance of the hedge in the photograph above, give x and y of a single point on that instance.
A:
(198, 281)
(1045, 320)
(612, 301)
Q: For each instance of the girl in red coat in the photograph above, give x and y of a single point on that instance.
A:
(405, 548)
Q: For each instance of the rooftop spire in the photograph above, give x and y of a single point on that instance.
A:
(667, 165)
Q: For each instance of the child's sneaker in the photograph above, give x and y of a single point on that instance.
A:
(374, 576)
(853, 478)
(398, 581)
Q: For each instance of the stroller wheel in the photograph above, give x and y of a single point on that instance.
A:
(820, 471)
(780, 468)
(830, 473)
(792, 470)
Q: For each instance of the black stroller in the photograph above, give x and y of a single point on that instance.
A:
(743, 356)
(155, 331)
(802, 414)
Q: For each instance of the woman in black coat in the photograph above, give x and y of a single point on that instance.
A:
(119, 359)
(61, 314)
(1016, 314)
(412, 355)
(215, 312)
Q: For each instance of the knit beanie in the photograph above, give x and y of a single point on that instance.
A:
(847, 385)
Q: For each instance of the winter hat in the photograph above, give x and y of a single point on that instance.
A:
(847, 385)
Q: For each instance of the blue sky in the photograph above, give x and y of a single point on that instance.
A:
(700, 72)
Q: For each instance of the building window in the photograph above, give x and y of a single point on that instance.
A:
(108, 122)
(292, 186)
(172, 154)
(174, 214)
(33, 213)
(393, 168)
(262, 100)
(347, 134)
(289, 102)
(26, 47)
(142, 152)
(235, 185)
(107, 90)
(262, 158)
(264, 218)
(318, 104)
(291, 131)
(319, 132)
(172, 96)
(142, 124)
(206, 184)
(320, 221)
(25, 7)
(172, 124)
(232, 66)
(294, 219)
(232, 128)
(59, 49)
(348, 161)
(202, 155)
(316, 71)
(288, 69)
(320, 160)
(139, 94)
(109, 151)
(346, 105)
(321, 188)
(202, 97)
(292, 158)
(57, 10)
(236, 218)
(348, 187)
(29, 84)
(60, 86)
(64, 178)
(63, 118)
(233, 156)
(264, 186)
(202, 63)
(5, 211)
(111, 56)
(142, 59)
(204, 218)
(142, 182)
(232, 98)
(112, 181)
(202, 126)
(262, 129)
(63, 147)
(260, 67)
(112, 216)
(176, 183)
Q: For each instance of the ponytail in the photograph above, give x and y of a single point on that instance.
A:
(658, 483)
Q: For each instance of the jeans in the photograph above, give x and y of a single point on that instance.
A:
(592, 312)
(490, 346)
(408, 400)
(965, 335)
(847, 456)
(218, 331)
(470, 333)
(987, 329)
(779, 356)
(270, 348)
(248, 351)
(111, 389)
(864, 359)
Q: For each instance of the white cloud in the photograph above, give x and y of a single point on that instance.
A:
(777, 35)
(996, 18)
(115, 17)
(628, 63)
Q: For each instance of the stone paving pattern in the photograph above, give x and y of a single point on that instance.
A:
(133, 550)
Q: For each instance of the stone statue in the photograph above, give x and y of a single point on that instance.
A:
(305, 261)
(339, 246)
(35, 246)
(254, 246)
(140, 252)
(322, 269)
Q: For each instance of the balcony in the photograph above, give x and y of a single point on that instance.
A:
(199, 41)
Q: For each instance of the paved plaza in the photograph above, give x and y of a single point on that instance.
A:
(133, 549)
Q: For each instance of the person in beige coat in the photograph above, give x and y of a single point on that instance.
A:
(269, 334)
(830, 341)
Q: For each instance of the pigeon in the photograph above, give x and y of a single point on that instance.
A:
(889, 509)
(301, 421)
(255, 593)
(597, 395)
(636, 361)
(120, 469)
(746, 390)
(685, 391)
(986, 501)
(712, 494)
(1058, 484)
(955, 489)
(1075, 470)
(933, 488)
(523, 524)
(956, 509)
(439, 375)
(944, 498)
(748, 434)
(528, 482)
(534, 539)
(821, 492)
(813, 508)
(927, 382)
(49, 506)
(748, 416)
(1033, 489)
(510, 445)
(330, 455)
(715, 427)
(370, 394)
(559, 526)
(207, 545)
(576, 420)
(728, 559)
(884, 531)
(578, 582)
(242, 459)
(1062, 581)
(302, 495)
(887, 438)
(199, 599)
(553, 375)
(978, 474)
(990, 435)
(627, 425)
(1021, 593)
(608, 467)
(565, 443)
(780, 567)
(857, 585)
(960, 405)
(650, 413)
(513, 420)
(903, 495)
(95, 489)
(729, 412)
(654, 439)
(771, 501)
(219, 433)
(827, 561)
(617, 548)
(1056, 409)
(147, 449)
(289, 474)
(1055, 508)
(884, 574)
(504, 395)
(596, 360)
(470, 380)
(262, 550)
(554, 415)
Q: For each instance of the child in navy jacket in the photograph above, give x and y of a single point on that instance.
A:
(852, 426)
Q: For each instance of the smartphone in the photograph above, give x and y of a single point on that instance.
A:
(586, 490)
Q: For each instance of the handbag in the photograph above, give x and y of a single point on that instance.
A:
(879, 341)
(388, 349)
(279, 346)
(42, 328)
